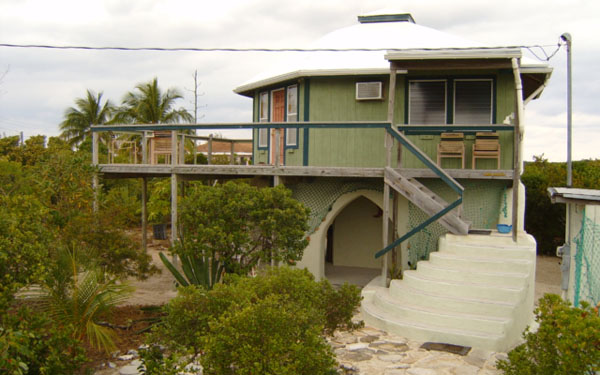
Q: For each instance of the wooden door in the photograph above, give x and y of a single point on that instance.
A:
(277, 115)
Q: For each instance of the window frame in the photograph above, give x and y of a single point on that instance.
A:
(492, 97)
(263, 133)
(408, 111)
(288, 131)
(450, 101)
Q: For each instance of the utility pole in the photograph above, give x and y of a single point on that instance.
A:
(566, 37)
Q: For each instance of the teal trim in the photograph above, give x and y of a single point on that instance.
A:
(306, 119)
(422, 226)
(425, 129)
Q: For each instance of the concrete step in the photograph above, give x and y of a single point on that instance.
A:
(474, 275)
(439, 317)
(464, 289)
(389, 322)
(403, 293)
(468, 263)
(481, 250)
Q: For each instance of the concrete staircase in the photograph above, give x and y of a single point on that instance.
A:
(477, 290)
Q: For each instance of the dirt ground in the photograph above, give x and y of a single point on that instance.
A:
(160, 288)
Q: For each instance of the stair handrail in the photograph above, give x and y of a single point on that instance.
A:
(449, 180)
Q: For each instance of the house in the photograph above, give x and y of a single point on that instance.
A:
(431, 84)
(241, 150)
(581, 253)
(407, 150)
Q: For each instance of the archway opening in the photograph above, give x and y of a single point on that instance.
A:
(352, 239)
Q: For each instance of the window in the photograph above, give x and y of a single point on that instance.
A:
(291, 135)
(472, 101)
(263, 133)
(427, 102)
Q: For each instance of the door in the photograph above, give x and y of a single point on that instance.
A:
(277, 115)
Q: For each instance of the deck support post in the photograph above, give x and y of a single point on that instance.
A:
(517, 147)
(95, 158)
(232, 154)
(209, 153)
(174, 192)
(144, 148)
(144, 214)
(389, 142)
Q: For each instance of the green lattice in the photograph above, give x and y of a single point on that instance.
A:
(319, 196)
(587, 263)
(483, 201)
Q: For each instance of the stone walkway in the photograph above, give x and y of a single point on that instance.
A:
(369, 351)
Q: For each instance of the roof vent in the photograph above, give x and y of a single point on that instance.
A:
(376, 18)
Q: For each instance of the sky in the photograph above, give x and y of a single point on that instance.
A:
(38, 85)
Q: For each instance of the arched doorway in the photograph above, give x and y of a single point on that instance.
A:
(352, 239)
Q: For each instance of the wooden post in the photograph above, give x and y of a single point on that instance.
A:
(517, 146)
(195, 151)
(388, 162)
(144, 148)
(95, 158)
(182, 149)
(173, 147)
(232, 153)
(173, 208)
(209, 156)
(144, 214)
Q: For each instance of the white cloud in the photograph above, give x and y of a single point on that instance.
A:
(41, 84)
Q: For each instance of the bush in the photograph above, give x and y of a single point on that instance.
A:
(270, 324)
(30, 343)
(566, 342)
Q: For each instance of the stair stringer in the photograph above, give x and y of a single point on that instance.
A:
(457, 308)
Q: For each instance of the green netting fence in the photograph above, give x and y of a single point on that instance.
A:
(320, 195)
(587, 262)
(484, 201)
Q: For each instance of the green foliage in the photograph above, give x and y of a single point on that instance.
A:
(149, 105)
(544, 220)
(270, 324)
(566, 342)
(88, 111)
(242, 225)
(80, 297)
(24, 244)
(31, 343)
(197, 269)
(159, 203)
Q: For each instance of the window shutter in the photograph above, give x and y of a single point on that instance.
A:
(427, 102)
(473, 102)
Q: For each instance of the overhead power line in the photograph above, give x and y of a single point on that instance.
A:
(531, 48)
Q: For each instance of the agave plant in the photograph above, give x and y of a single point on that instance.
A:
(198, 269)
(83, 298)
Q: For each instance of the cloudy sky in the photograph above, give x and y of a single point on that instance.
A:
(39, 84)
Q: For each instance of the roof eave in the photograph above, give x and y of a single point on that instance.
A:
(247, 89)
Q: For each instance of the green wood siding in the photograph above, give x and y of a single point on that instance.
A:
(333, 99)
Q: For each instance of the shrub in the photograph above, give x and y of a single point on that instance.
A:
(30, 343)
(270, 324)
(566, 342)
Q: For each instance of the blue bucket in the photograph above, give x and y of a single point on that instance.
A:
(504, 228)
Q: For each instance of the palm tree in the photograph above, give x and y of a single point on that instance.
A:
(149, 105)
(88, 111)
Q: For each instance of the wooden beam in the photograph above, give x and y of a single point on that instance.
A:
(517, 146)
(144, 214)
(173, 209)
(452, 64)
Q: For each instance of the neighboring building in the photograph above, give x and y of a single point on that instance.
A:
(242, 151)
(581, 253)
(443, 84)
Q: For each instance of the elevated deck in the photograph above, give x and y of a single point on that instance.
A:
(191, 171)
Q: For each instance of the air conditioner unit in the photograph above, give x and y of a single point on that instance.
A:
(368, 90)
